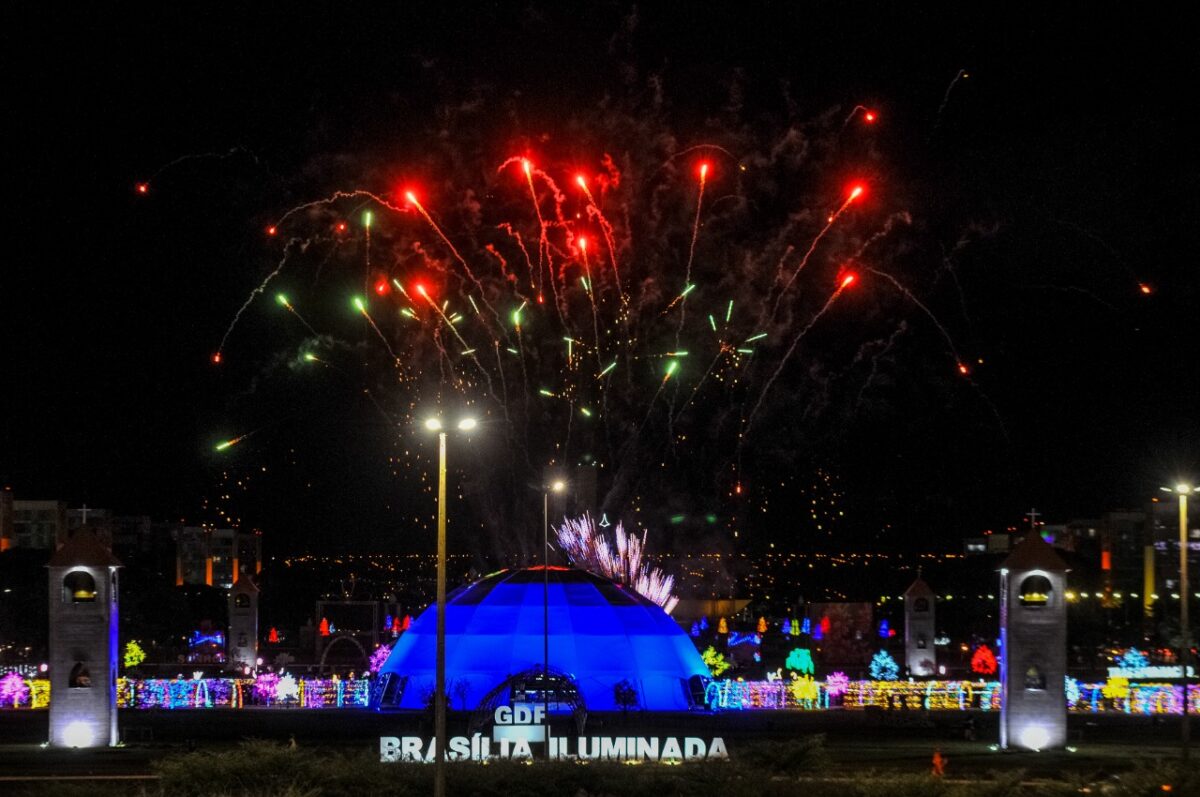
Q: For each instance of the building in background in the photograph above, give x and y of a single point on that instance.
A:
(215, 557)
(37, 524)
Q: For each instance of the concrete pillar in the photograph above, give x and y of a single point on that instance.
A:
(83, 643)
(242, 643)
(920, 655)
(1033, 643)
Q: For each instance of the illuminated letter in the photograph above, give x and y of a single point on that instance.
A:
(410, 749)
(647, 748)
(460, 747)
(693, 748)
(504, 715)
(612, 749)
(717, 750)
(670, 749)
(389, 748)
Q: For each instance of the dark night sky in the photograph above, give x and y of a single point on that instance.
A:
(1069, 140)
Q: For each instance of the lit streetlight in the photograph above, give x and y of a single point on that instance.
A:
(556, 486)
(435, 424)
(1183, 490)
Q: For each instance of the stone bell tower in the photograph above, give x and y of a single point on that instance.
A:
(1033, 647)
(83, 643)
(242, 645)
(920, 655)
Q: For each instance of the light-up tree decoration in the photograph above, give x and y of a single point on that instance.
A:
(983, 661)
(836, 684)
(722, 626)
(800, 660)
(134, 655)
(716, 663)
(378, 658)
(13, 689)
(884, 667)
(266, 687)
(1133, 659)
(761, 628)
(287, 688)
(804, 689)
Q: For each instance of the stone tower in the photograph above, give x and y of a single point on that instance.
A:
(1033, 647)
(83, 643)
(920, 656)
(242, 645)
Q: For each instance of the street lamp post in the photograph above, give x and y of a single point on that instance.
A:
(1183, 490)
(439, 695)
(556, 486)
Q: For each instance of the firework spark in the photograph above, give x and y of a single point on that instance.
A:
(621, 559)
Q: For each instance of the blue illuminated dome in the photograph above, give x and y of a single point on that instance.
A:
(600, 633)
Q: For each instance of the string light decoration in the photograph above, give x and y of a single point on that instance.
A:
(836, 691)
(268, 689)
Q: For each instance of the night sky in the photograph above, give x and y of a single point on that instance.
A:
(1062, 164)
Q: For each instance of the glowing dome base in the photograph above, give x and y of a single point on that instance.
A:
(600, 634)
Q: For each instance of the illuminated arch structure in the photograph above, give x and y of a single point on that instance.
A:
(600, 633)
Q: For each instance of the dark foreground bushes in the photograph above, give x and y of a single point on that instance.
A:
(768, 769)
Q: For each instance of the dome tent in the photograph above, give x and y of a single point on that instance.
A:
(601, 633)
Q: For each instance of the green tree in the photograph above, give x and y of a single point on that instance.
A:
(715, 662)
(800, 660)
(134, 655)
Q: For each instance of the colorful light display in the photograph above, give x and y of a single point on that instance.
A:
(14, 691)
(268, 689)
(600, 633)
(883, 667)
(799, 693)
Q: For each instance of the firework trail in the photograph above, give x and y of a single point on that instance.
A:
(144, 186)
(869, 116)
(886, 346)
(230, 443)
(286, 304)
(540, 368)
(846, 282)
(620, 560)
(962, 74)
(855, 193)
(958, 361)
(262, 286)
(687, 278)
(591, 293)
(412, 199)
(361, 306)
(607, 230)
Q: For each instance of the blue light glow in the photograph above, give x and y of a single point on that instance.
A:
(600, 634)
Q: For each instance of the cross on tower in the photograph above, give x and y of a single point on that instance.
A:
(1033, 515)
(84, 510)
